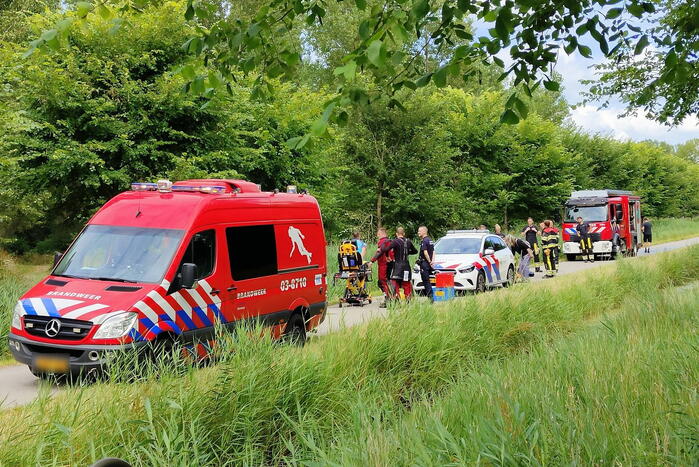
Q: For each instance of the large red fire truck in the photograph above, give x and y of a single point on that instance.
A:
(169, 262)
(598, 208)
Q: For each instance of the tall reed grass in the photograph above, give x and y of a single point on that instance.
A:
(675, 228)
(16, 276)
(265, 404)
(622, 392)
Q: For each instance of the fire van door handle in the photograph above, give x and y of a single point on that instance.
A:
(215, 292)
(232, 288)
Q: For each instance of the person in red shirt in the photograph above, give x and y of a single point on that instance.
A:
(385, 262)
(402, 248)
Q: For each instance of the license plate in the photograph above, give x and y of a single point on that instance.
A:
(52, 364)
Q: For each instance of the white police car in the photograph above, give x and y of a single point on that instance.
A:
(478, 258)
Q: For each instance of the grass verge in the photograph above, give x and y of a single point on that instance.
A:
(673, 229)
(622, 392)
(268, 405)
(16, 277)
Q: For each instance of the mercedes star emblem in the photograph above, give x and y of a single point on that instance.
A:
(52, 328)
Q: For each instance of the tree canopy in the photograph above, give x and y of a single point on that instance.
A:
(78, 125)
(377, 52)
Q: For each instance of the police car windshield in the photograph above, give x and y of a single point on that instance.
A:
(126, 254)
(458, 246)
(588, 213)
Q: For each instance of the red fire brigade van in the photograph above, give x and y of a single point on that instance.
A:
(598, 208)
(164, 261)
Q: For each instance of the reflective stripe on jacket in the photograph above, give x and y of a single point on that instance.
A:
(549, 238)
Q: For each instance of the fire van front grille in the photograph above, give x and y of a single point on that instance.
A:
(70, 329)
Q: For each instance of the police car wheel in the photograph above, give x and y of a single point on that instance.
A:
(295, 331)
(510, 277)
(480, 283)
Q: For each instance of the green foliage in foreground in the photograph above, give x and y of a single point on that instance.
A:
(623, 392)
(388, 45)
(267, 405)
(16, 277)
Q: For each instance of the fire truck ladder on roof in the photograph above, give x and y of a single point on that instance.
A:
(600, 193)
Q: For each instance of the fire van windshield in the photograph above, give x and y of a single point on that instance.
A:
(122, 254)
(588, 213)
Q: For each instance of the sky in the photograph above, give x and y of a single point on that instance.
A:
(574, 68)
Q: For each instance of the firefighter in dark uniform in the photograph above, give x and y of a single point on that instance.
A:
(530, 235)
(425, 260)
(583, 229)
(401, 274)
(549, 245)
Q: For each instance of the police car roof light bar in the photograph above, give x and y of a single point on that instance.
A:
(452, 232)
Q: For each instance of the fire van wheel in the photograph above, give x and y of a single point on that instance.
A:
(480, 283)
(510, 277)
(295, 331)
(570, 257)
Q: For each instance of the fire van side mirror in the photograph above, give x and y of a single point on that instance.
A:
(188, 275)
(56, 258)
(489, 251)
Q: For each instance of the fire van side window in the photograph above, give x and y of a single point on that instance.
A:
(252, 251)
(200, 251)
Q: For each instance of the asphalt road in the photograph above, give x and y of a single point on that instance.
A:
(19, 387)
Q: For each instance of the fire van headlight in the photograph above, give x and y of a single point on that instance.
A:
(17, 316)
(466, 270)
(116, 326)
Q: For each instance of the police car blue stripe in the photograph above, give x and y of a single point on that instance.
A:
(28, 307)
(496, 268)
(205, 319)
(487, 272)
(187, 320)
(50, 307)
